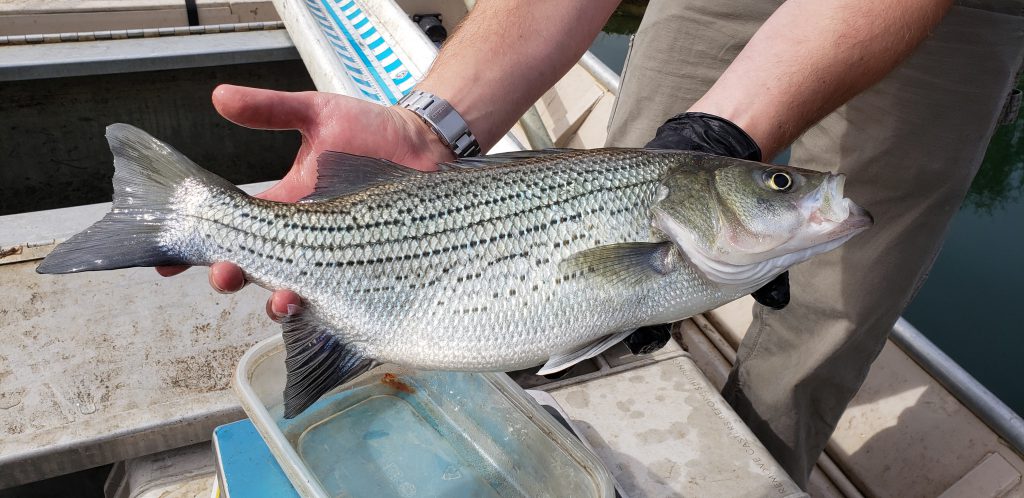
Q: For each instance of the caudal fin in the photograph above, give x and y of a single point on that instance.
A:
(147, 173)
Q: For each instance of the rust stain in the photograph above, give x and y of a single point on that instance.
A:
(10, 251)
(391, 380)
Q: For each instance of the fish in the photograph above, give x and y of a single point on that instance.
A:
(495, 263)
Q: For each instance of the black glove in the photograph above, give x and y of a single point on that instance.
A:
(705, 133)
(701, 132)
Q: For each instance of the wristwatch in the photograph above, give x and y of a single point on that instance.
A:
(444, 120)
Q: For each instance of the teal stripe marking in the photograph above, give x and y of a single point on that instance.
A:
(375, 43)
(353, 15)
(366, 62)
(373, 96)
(361, 82)
(348, 5)
(368, 32)
(394, 65)
(317, 14)
(362, 23)
(330, 34)
(353, 69)
(403, 78)
(384, 55)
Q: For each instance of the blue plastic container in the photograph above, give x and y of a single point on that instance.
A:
(394, 432)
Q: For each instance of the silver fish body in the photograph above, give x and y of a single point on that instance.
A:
(459, 270)
(488, 268)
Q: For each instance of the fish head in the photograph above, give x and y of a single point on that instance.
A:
(742, 221)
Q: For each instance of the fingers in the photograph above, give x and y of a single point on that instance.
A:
(269, 109)
(265, 109)
(170, 271)
(279, 303)
(226, 278)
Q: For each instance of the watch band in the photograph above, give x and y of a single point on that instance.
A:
(444, 120)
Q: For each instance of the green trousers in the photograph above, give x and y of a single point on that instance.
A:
(910, 146)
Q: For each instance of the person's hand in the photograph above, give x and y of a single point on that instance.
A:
(328, 122)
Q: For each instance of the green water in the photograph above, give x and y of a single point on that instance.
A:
(967, 305)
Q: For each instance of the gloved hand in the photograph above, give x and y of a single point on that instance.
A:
(705, 133)
(701, 132)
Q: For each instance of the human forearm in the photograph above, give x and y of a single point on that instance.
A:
(810, 57)
(505, 54)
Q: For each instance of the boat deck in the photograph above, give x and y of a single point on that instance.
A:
(114, 366)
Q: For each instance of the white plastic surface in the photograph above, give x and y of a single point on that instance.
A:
(663, 430)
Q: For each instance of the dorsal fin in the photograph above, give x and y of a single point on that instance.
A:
(502, 158)
(339, 173)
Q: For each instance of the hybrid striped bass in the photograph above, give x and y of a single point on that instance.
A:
(498, 263)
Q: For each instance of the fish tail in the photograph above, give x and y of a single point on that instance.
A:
(147, 174)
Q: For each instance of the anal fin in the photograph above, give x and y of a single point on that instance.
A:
(317, 361)
(559, 362)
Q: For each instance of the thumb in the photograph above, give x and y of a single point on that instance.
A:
(300, 180)
(265, 109)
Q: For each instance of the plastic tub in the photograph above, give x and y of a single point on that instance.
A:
(397, 432)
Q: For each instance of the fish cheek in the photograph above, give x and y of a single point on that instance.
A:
(760, 225)
(689, 202)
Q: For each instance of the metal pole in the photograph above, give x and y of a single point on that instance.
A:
(602, 73)
(989, 408)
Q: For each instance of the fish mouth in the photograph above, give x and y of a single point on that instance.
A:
(841, 215)
(859, 218)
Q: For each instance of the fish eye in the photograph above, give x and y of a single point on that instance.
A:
(779, 181)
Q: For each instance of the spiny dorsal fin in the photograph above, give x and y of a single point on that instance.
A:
(316, 360)
(502, 158)
(339, 173)
(561, 361)
(626, 263)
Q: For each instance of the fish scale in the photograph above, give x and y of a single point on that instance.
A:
(499, 263)
(516, 222)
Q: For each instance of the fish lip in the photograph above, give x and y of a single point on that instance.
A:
(859, 217)
(847, 214)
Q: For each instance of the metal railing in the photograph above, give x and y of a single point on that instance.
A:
(124, 34)
(976, 397)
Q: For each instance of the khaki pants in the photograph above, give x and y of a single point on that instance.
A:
(909, 145)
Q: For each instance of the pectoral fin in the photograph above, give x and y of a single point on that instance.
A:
(317, 361)
(626, 263)
(559, 362)
(774, 294)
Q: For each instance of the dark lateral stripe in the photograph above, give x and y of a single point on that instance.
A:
(281, 240)
(539, 187)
